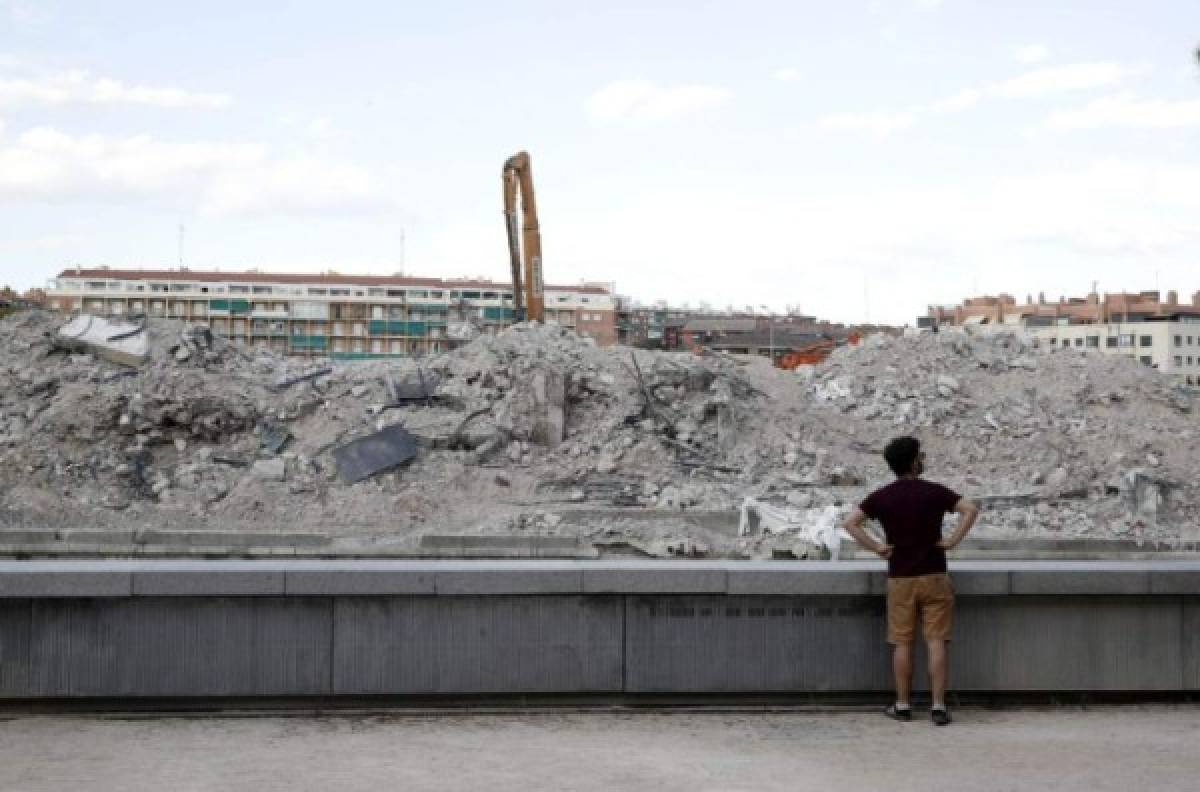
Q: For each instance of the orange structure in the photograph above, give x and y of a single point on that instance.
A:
(813, 354)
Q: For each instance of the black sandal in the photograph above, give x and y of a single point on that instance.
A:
(940, 716)
(898, 714)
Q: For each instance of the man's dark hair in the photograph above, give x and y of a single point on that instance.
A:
(901, 453)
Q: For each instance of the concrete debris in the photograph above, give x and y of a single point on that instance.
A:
(117, 342)
(274, 469)
(537, 420)
(308, 376)
(273, 438)
(819, 527)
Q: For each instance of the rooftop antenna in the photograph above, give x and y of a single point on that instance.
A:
(402, 251)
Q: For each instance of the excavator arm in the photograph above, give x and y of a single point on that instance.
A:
(528, 292)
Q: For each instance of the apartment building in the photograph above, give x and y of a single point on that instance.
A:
(327, 315)
(1171, 346)
(1164, 334)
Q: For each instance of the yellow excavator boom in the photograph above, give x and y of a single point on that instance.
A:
(528, 291)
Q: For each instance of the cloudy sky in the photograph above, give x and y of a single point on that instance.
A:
(859, 159)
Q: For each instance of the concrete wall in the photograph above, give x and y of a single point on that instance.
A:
(330, 628)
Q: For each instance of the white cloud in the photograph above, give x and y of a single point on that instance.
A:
(80, 87)
(1063, 79)
(787, 74)
(320, 128)
(879, 123)
(959, 101)
(645, 101)
(1124, 110)
(26, 15)
(1031, 53)
(220, 178)
(1031, 230)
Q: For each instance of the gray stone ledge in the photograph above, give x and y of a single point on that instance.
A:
(1075, 582)
(65, 579)
(208, 579)
(93, 578)
(648, 577)
(463, 578)
(358, 578)
(799, 581)
(1175, 581)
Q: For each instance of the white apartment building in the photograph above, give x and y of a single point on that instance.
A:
(1170, 346)
(326, 315)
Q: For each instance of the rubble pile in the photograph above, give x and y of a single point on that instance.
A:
(538, 431)
(1067, 440)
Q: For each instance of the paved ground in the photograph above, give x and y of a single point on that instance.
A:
(1147, 748)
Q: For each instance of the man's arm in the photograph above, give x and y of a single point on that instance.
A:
(967, 512)
(854, 526)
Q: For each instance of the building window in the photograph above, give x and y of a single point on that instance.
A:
(239, 289)
(1125, 340)
(1146, 341)
(1179, 360)
(1189, 360)
(1178, 340)
(317, 292)
(262, 289)
(1079, 341)
(1110, 342)
(339, 292)
(1146, 359)
(1189, 340)
(1093, 342)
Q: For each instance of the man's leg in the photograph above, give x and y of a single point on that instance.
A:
(938, 660)
(902, 669)
(901, 624)
(937, 616)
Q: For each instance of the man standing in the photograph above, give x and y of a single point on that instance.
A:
(911, 511)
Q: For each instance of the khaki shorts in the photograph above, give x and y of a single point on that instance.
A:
(931, 595)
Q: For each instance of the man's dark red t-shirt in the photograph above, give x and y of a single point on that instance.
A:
(911, 511)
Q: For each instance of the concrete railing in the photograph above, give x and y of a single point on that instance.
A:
(124, 629)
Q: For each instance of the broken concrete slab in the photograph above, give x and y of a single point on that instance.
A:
(288, 382)
(123, 343)
(365, 457)
(273, 438)
(270, 469)
(550, 401)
